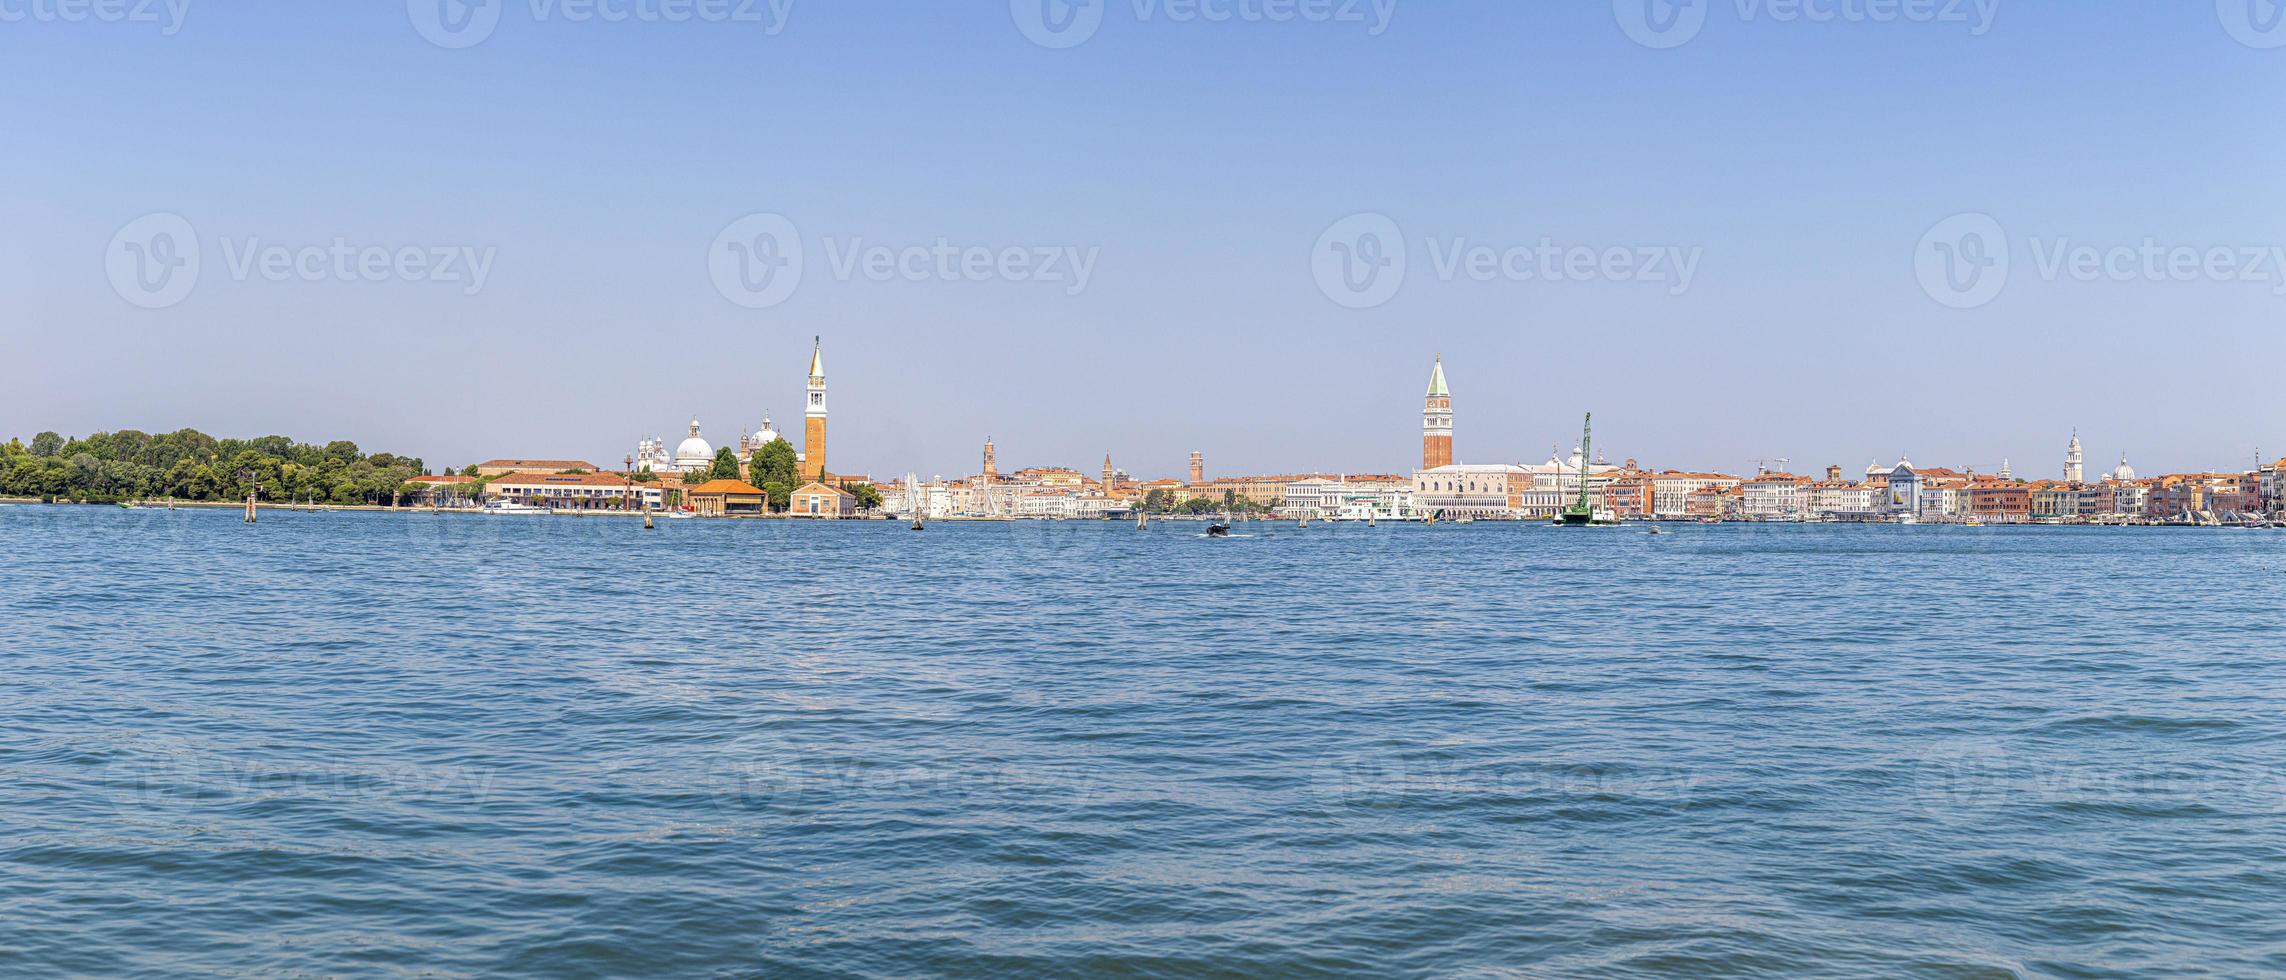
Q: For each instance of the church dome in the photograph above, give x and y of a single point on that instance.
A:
(767, 434)
(2125, 473)
(694, 452)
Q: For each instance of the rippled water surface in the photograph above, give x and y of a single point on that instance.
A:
(350, 743)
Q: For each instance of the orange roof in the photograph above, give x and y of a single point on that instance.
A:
(716, 488)
(537, 464)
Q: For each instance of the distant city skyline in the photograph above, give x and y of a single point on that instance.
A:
(1746, 235)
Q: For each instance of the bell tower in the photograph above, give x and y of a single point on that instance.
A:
(814, 422)
(1437, 420)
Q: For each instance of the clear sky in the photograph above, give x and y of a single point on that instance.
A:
(1801, 164)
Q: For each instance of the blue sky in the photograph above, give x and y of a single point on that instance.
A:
(1195, 164)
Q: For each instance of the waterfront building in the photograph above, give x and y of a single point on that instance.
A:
(1437, 420)
(568, 491)
(1838, 499)
(817, 500)
(2198, 497)
(2056, 500)
(1494, 491)
(1903, 486)
(2273, 481)
(1629, 495)
(1383, 497)
(1715, 503)
(1556, 484)
(728, 498)
(1999, 500)
(1671, 491)
(1773, 497)
(1059, 477)
(813, 456)
(503, 467)
(1944, 493)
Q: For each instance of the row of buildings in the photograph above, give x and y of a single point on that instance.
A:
(654, 479)
(1440, 487)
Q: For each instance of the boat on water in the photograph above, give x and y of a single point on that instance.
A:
(1218, 530)
(510, 508)
(1584, 512)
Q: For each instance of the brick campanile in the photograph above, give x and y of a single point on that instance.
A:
(814, 421)
(1437, 421)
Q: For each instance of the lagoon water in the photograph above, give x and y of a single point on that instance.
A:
(348, 743)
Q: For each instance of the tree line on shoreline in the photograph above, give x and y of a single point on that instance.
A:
(191, 465)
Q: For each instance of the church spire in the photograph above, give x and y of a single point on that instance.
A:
(817, 359)
(1437, 378)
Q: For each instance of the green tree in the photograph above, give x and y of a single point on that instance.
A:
(47, 445)
(781, 495)
(868, 496)
(725, 466)
(775, 463)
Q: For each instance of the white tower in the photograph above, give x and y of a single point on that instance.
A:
(2075, 470)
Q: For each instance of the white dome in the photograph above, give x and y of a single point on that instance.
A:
(766, 435)
(694, 452)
